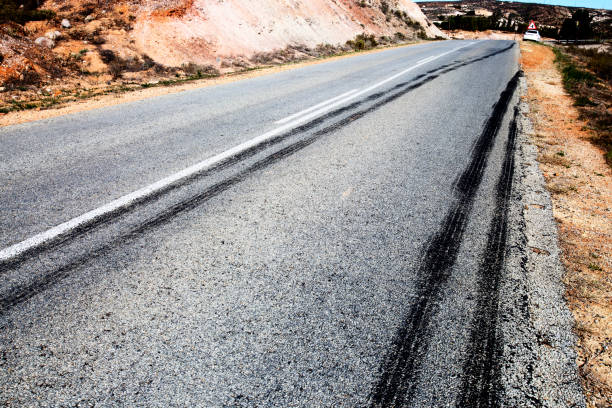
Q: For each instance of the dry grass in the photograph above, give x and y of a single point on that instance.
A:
(587, 76)
(555, 160)
(581, 182)
(71, 98)
(561, 188)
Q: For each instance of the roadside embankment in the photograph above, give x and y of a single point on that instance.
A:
(78, 100)
(580, 183)
(73, 50)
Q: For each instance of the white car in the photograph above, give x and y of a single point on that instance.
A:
(532, 35)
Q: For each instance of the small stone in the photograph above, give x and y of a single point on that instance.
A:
(53, 35)
(89, 18)
(66, 23)
(45, 42)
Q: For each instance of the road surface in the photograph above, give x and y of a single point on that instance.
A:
(333, 235)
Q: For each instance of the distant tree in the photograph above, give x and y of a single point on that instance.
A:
(568, 30)
(497, 15)
(469, 23)
(583, 24)
(578, 27)
(22, 11)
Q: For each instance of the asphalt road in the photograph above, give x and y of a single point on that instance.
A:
(352, 258)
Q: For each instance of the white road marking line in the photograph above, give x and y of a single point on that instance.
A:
(18, 249)
(424, 60)
(317, 106)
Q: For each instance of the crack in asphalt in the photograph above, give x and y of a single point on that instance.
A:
(400, 369)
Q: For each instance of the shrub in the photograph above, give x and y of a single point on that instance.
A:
(199, 71)
(87, 9)
(583, 101)
(598, 62)
(411, 23)
(22, 11)
(117, 65)
(584, 86)
(116, 69)
(384, 7)
(363, 42)
(77, 34)
(573, 76)
(108, 56)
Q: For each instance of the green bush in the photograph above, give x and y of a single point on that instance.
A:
(384, 7)
(583, 101)
(22, 11)
(598, 62)
(363, 42)
(578, 83)
(572, 76)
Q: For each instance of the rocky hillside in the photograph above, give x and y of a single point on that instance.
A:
(205, 31)
(549, 17)
(99, 41)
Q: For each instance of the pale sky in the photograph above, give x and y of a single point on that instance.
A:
(598, 4)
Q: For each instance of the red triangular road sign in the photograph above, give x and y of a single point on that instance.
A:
(531, 26)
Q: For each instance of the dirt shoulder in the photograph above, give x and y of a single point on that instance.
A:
(84, 100)
(580, 182)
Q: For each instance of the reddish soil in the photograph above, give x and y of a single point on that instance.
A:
(581, 185)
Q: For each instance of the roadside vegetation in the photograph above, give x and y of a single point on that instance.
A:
(569, 102)
(35, 99)
(82, 50)
(587, 77)
(21, 12)
(577, 27)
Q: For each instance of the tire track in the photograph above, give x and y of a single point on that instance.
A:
(24, 291)
(400, 370)
(480, 387)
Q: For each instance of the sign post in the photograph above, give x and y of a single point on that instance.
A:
(515, 30)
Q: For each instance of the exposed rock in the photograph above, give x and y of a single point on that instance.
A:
(222, 34)
(201, 31)
(53, 35)
(45, 42)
